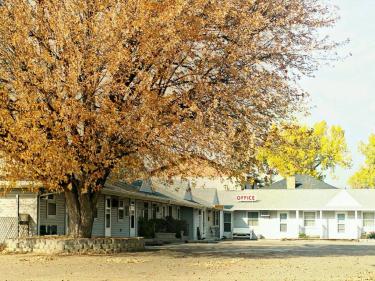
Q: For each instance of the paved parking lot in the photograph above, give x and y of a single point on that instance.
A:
(275, 248)
(229, 260)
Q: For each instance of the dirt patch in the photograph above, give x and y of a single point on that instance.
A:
(260, 261)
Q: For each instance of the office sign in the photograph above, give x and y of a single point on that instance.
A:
(246, 198)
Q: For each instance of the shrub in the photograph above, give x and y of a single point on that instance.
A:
(147, 228)
(371, 235)
(302, 236)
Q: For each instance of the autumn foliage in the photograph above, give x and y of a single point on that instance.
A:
(292, 149)
(98, 87)
(365, 176)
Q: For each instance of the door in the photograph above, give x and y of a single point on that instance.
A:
(283, 224)
(108, 205)
(341, 227)
(132, 217)
(227, 224)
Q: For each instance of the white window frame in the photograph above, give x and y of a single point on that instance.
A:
(283, 221)
(228, 222)
(368, 220)
(121, 208)
(51, 201)
(305, 219)
(253, 219)
(343, 223)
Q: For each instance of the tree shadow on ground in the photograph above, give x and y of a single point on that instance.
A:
(268, 251)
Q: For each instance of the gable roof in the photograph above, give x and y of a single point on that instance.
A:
(343, 199)
(302, 182)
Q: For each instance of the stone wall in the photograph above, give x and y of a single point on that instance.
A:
(69, 245)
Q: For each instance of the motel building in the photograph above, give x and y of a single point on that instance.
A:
(294, 208)
(212, 209)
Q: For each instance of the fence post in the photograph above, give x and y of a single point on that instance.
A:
(18, 215)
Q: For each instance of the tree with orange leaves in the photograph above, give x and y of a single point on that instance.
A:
(94, 88)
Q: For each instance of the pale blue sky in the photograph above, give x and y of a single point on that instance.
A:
(345, 94)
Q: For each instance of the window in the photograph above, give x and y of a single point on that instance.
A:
(163, 212)
(368, 219)
(48, 230)
(121, 210)
(145, 210)
(340, 223)
(227, 222)
(51, 205)
(170, 211)
(108, 212)
(283, 222)
(309, 219)
(132, 214)
(253, 218)
(178, 213)
(132, 221)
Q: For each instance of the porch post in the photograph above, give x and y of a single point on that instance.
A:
(221, 224)
(356, 224)
(321, 224)
(297, 222)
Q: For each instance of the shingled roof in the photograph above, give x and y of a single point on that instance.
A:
(303, 182)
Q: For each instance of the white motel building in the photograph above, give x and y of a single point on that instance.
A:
(298, 207)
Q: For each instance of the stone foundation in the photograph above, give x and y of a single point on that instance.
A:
(77, 246)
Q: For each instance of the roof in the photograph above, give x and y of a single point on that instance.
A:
(303, 199)
(155, 190)
(303, 182)
(205, 195)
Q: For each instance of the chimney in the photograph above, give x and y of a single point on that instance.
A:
(291, 182)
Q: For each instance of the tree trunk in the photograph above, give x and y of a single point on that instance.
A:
(80, 206)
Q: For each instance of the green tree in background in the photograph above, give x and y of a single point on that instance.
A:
(296, 149)
(365, 176)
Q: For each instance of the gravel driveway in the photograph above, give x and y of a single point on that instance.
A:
(229, 260)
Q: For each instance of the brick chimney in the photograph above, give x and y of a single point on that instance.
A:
(291, 182)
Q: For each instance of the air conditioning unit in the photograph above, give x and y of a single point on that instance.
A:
(265, 214)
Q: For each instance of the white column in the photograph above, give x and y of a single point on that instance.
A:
(297, 222)
(357, 225)
(221, 224)
(321, 224)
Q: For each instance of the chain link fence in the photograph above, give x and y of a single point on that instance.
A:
(8, 228)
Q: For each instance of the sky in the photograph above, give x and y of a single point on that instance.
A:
(345, 93)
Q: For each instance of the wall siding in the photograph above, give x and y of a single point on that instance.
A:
(59, 219)
(98, 226)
